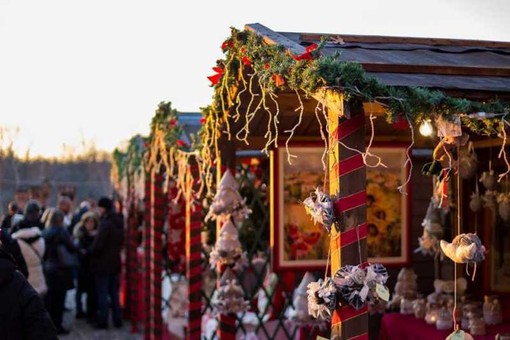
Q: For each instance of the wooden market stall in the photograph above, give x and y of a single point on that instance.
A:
(358, 96)
(343, 114)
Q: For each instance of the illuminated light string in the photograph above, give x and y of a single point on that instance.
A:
(365, 155)
(502, 152)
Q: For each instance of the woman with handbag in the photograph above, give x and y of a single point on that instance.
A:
(60, 260)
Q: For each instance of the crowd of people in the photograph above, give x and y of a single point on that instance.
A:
(45, 252)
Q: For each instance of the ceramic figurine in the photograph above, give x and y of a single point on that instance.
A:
(419, 308)
(476, 325)
(492, 313)
(444, 320)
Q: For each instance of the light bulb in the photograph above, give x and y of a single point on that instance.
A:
(426, 128)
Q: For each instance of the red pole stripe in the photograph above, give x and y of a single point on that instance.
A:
(350, 202)
(363, 336)
(349, 126)
(351, 236)
(350, 164)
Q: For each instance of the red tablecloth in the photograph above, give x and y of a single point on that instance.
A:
(395, 326)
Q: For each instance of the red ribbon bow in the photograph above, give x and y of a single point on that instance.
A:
(306, 55)
(215, 78)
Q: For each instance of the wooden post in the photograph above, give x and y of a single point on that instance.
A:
(227, 323)
(131, 262)
(147, 231)
(348, 183)
(194, 260)
(158, 202)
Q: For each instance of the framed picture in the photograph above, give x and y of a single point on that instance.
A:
(299, 243)
(296, 241)
(388, 215)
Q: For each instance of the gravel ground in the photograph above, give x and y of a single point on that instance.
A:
(81, 330)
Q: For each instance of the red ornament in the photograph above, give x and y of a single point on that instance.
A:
(246, 61)
(401, 123)
(215, 78)
(180, 143)
(279, 80)
(172, 122)
(202, 120)
(267, 66)
(226, 44)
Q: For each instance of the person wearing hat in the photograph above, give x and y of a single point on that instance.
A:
(84, 234)
(22, 312)
(105, 262)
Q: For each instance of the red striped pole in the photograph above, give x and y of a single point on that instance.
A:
(131, 264)
(348, 182)
(194, 260)
(156, 255)
(146, 255)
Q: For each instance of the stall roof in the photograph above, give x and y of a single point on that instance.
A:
(446, 64)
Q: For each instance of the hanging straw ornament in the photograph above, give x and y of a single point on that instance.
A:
(359, 285)
(228, 203)
(468, 162)
(475, 204)
(320, 207)
(229, 297)
(489, 180)
(465, 248)
(322, 299)
(504, 206)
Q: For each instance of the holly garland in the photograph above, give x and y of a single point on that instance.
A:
(277, 69)
(129, 162)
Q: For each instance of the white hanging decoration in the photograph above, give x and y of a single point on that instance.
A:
(359, 285)
(465, 248)
(320, 207)
(300, 313)
(475, 204)
(489, 199)
(322, 299)
(489, 180)
(228, 203)
(432, 230)
(227, 249)
(504, 206)
(468, 162)
(229, 297)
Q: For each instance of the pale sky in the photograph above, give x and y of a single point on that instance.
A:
(96, 70)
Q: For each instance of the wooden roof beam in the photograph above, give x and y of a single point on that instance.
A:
(348, 38)
(274, 38)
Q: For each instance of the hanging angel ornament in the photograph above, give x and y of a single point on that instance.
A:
(465, 248)
(228, 203)
(320, 207)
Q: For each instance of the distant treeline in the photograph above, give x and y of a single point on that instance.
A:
(86, 176)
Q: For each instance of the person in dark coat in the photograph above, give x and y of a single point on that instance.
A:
(12, 247)
(22, 312)
(10, 217)
(32, 217)
(105, 262)
(58, 277)
(84, 234)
